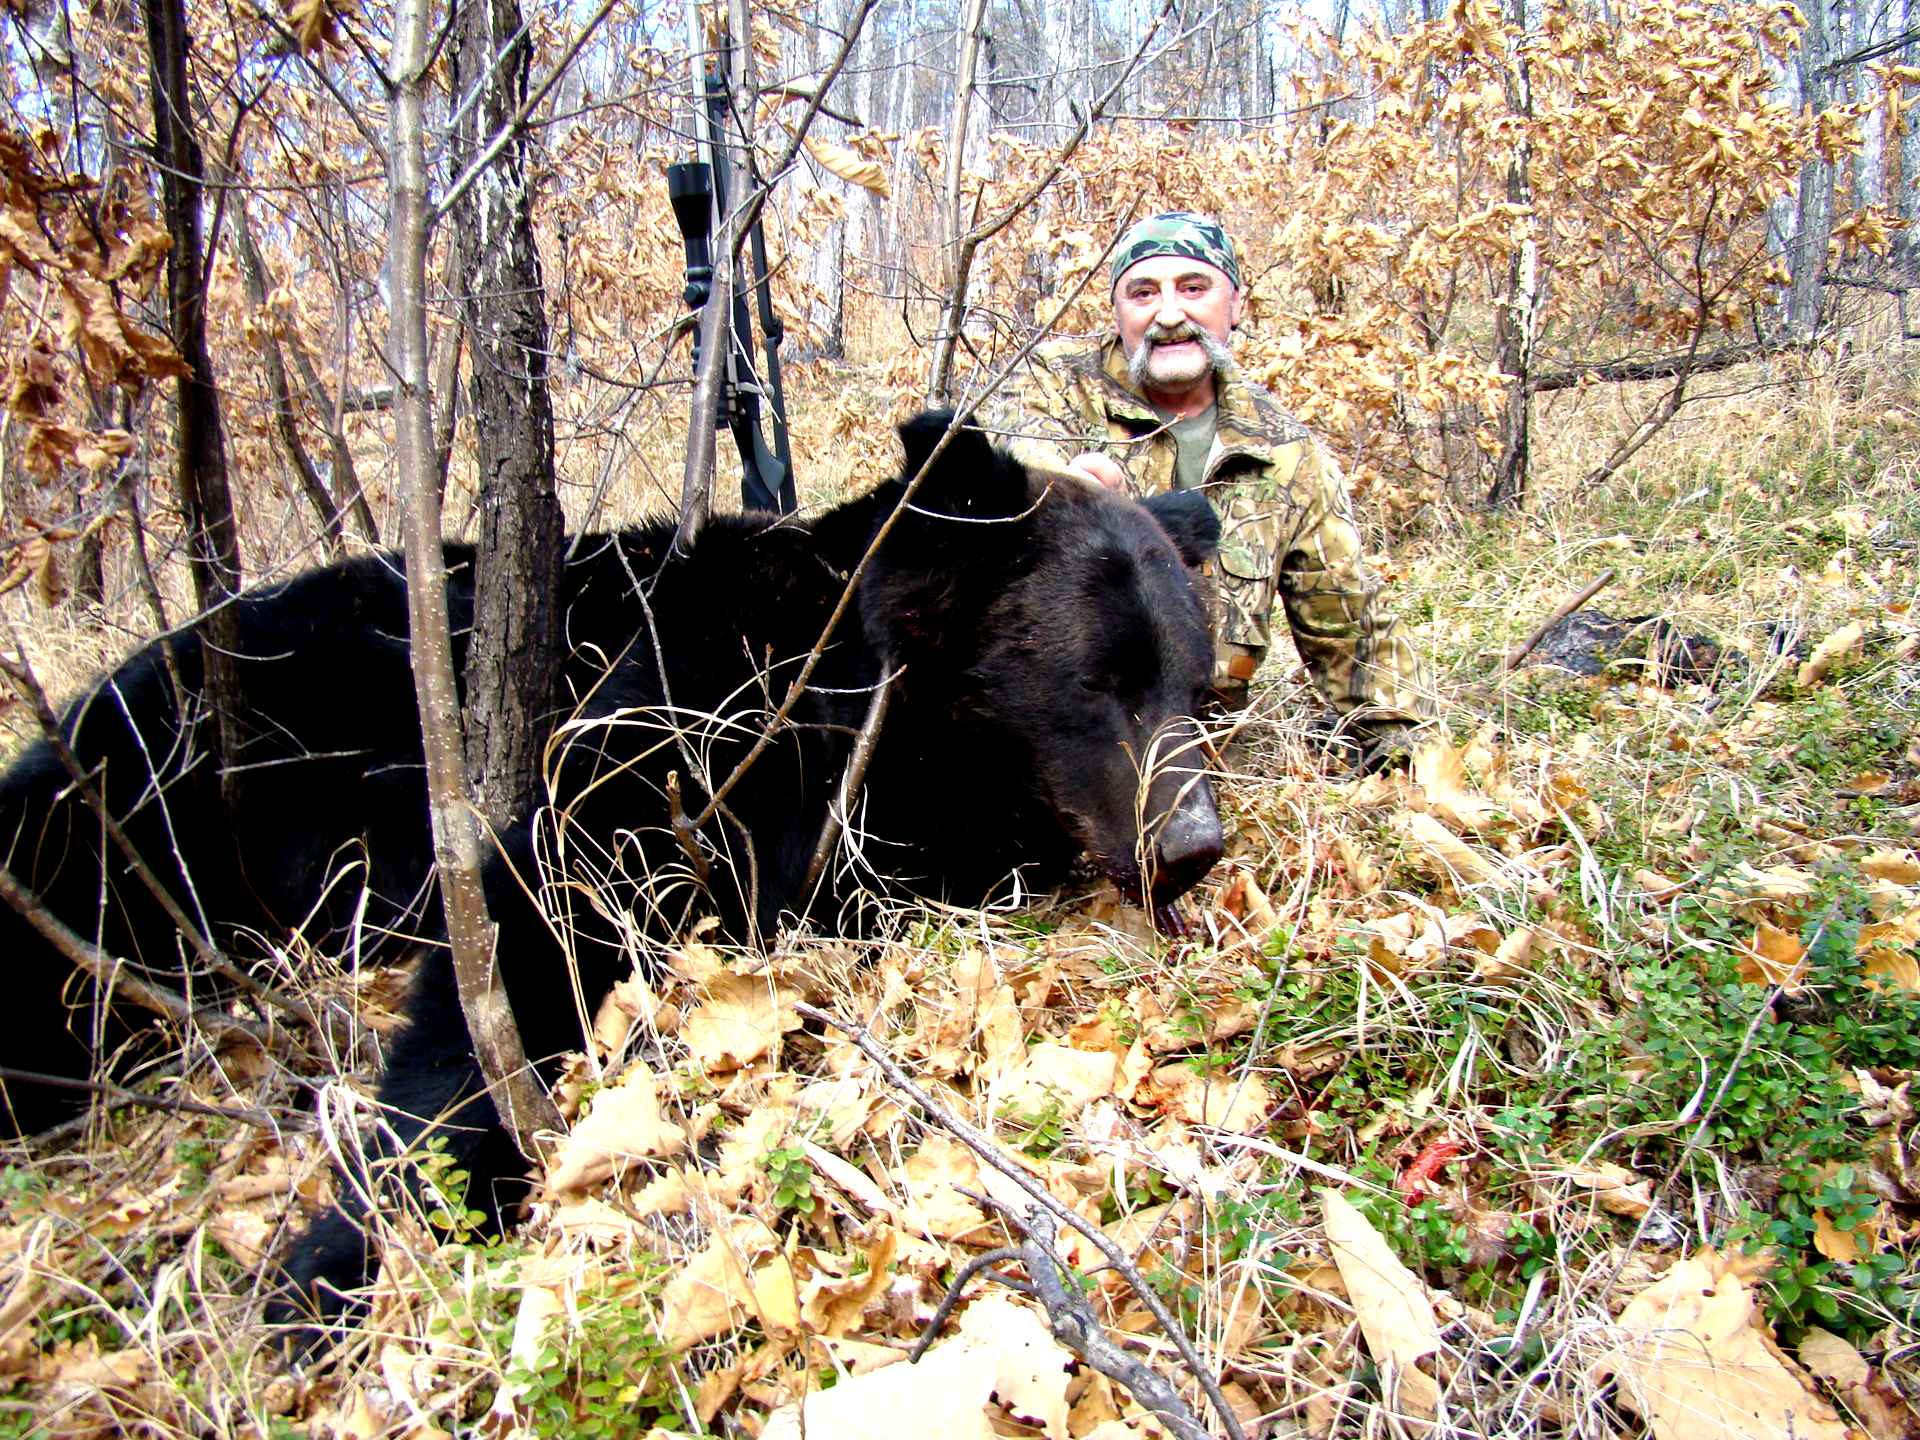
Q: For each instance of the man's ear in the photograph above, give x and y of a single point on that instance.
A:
(1190, 522)
(966, 477)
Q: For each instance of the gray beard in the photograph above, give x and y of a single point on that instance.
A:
(1142, 354)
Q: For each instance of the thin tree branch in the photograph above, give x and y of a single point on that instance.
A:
(120, 1095)
(114, 976)
(507, 132)
(850, 781)
(26, 684)
(1525, 647)
(519, 1099)
(1044, 1203)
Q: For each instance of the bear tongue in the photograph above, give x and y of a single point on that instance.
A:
(1170, 918)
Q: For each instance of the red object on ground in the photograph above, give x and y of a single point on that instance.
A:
(1417, 1178)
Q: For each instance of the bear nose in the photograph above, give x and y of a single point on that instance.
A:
(1188, 844)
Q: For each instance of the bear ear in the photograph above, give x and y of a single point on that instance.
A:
(969, 477)
(1190, 522)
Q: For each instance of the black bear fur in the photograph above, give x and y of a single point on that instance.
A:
(1050, 644)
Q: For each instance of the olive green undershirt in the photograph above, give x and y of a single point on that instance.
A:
(1194, 437)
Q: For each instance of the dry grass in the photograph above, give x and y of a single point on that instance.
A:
(1545, 947)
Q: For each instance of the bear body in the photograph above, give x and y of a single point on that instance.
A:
(1046, 645)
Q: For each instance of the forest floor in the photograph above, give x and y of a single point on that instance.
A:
(1559, 1086)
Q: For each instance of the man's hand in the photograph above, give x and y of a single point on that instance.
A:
(1101, 468)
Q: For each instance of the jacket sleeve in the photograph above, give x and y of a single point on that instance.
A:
(1361, 660)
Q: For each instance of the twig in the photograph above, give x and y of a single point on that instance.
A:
(990, 1154)
(686, 831)
(850, 781)
(114, 976)
(1075, 1325)
(20, 674)
(1525, 647)
(1069, 1316)
(119, 1095)
(952, 1297)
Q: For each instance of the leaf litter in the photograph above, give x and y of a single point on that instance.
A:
(1346, 1132)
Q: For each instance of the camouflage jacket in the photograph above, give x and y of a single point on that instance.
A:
(1287, 526)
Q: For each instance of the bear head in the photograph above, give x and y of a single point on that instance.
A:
(1061, 624)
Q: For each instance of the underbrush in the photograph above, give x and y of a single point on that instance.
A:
(1616, 993)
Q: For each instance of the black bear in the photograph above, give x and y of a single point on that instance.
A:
(1046, 644)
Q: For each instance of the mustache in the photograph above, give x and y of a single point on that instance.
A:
(1154, 335)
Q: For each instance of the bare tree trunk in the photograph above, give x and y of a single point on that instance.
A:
(1514, 321)
(213, 536)
(518, 1098)
(286, 427)
(346, 476)
(515, 648)
(953, 315)
(1815, 207)
(1900, 186)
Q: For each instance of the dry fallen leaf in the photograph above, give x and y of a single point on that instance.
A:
(715, 1291)
(849, 165)
(1440, 773)
(1003, 1351)
(1226, 1102)
(1054, 1075)
(1511, 960)
(1248, 906)
(930, 1176)
(738, 1020)
(1389, 1300)
(1829, 652)
(1774, 957)
(832, 1301)
(1443, 854)
(946, 1394)
(624, 1124)
(1902, 867)
(1691, 1361)
(1616, 1189)
(1877, 1406)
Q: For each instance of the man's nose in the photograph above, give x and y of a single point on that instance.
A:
(1170, 313)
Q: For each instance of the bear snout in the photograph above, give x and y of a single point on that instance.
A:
(1187, 843)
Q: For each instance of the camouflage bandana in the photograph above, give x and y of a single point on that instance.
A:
(1180, 232)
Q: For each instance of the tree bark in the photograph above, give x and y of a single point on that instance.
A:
(1814, 210)
(199, 439)
(1515, 320)
(286, 425)
(518, 1098)
(958, 260)
(515, 647)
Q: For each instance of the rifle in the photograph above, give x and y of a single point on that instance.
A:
(700, 191)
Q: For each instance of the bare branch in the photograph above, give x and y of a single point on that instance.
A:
(20, 675)
(989, 1154)
(115, 977)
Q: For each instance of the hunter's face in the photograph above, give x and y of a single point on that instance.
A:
(1174, 315)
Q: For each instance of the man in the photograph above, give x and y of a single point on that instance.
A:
(1160, 404)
